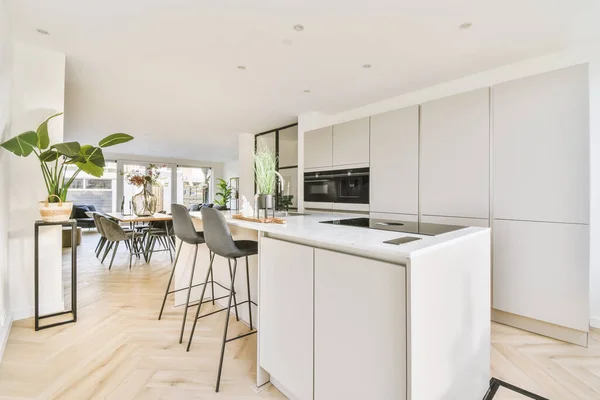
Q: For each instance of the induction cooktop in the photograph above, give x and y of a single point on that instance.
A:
(419, 228)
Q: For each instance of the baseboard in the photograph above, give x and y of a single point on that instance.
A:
(4, 333)
(595, 322)
(565, 334)
(28, 312)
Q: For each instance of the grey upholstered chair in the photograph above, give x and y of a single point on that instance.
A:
(102, 240)
(219, 241)
(184, 230)
(115, 234)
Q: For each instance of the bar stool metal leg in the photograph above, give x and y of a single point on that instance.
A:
(187, 303)
(170, 280)
(231, 295)
(237, 316)
(212, 281)
(249, 297)
(200, 302)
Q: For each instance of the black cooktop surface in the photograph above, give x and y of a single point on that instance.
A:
(420, 228)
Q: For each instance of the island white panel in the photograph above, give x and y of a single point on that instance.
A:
(541, 271)
(541, 147)
(455, 155)
(449, 320)
(360, 343)
(286, 315)
(395, 161)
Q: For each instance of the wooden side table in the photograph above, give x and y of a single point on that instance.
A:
(73, 224)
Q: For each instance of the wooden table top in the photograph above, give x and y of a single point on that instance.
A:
(135, 218)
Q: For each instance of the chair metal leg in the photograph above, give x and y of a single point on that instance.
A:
(113, 256)
(170, 280)
(231, 295)
(200, 302)
(249, 297)
(98, 244)
(102, 244)
(130, 252)
(237, 316)
(212, 281)
(187, 303)
(108, 247)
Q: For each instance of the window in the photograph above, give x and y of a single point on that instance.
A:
(193, 185)
(99, 192)
(162, 192)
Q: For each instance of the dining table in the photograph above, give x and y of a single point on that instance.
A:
(135, 220)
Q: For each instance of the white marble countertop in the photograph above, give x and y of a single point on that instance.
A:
(355, 240)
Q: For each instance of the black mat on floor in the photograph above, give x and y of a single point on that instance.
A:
(495, 384)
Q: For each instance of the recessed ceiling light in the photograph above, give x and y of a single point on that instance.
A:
(367, 66)
(466, 25)
(307, 91)
(241, 67)
(42, 31)
(298, 27)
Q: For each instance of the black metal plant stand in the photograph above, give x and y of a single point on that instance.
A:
(73, 224)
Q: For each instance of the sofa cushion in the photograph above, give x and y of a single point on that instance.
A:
(92, 207)
(80, 211)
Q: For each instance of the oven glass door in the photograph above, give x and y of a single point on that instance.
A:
(320, 190)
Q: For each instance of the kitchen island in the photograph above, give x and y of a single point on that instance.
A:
(343, 315)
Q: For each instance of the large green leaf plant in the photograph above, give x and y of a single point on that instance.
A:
(54, 159)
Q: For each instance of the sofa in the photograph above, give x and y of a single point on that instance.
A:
(79, 214)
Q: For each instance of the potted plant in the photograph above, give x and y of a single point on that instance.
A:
(54, 160)
(223, 194)
(265, 164)
(145, 202)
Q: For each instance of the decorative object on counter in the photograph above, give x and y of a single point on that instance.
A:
(145, 202)
(265, 168)
(247, 210)
(54, 160)
(223, 194)
(268, 220)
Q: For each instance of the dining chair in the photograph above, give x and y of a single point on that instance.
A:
(115, 235)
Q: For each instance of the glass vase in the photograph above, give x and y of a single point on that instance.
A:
(144, 203)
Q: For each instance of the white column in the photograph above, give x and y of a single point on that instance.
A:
(38, 91)
(246, 166)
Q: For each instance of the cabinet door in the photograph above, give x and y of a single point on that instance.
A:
(541, 271)
(318, 148)
(455, 156)
(541, 147)
(288, 147)
(351, 142)
(286, 315)
(479, 222)
(360, 346)
(395, 161)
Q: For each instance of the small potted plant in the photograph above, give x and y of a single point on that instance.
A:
(54, 160)
(145, 202)
(265, 165)
(223, 194)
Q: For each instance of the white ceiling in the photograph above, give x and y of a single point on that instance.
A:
(166, 70)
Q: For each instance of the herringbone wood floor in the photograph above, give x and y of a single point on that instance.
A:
(118, 350)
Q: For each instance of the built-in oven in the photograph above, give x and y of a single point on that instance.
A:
(319, 187)
(338, 186)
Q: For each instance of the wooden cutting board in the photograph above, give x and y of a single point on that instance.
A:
(259, 220)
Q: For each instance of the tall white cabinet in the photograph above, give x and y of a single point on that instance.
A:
(541, 198)
(395, 162)
(351, 143)
(318, 147)
(455, 156)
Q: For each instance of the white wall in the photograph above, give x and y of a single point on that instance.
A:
(246, 166)
(5, 85)
(38, 89)
(231, 169)
(585, 52)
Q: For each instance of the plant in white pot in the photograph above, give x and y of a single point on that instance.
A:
(54, 160)
(265, 165)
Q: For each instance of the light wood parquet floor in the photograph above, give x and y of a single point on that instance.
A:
(119, 350)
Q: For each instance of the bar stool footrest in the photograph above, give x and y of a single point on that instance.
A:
(241, 336)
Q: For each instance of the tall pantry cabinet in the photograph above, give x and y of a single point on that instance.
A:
(541, 199)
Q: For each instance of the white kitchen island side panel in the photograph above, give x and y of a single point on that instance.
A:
(286, 315)
(360, 342)
(450, 354)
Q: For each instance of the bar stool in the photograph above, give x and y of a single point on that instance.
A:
(219, 241)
